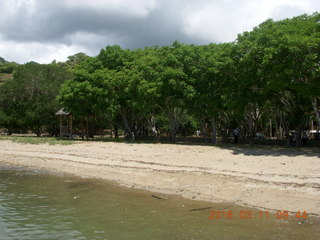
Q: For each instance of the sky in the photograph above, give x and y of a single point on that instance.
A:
(47, 30)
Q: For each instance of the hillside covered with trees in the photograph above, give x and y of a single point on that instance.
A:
(267, 81)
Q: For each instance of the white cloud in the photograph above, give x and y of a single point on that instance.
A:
(221, 21)
(38, 52)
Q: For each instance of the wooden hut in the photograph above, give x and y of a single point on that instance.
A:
(65, 123)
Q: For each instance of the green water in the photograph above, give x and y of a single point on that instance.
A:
(37, 205)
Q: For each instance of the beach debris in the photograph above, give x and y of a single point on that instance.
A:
(156, 197)
(283, 163)
(200, 209)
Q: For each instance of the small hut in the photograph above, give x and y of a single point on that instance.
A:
(65, 123)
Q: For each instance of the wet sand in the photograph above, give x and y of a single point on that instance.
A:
(263, 177)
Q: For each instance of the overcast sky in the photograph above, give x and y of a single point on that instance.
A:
(44, 30)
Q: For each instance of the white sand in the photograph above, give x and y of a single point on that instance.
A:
(267, 178)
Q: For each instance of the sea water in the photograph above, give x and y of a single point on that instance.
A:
(38, 205)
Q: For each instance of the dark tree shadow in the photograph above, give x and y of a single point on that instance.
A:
(261, 150)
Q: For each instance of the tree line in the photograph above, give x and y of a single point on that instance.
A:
(266, 81)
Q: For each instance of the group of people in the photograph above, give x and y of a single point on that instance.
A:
(296, 139)
(236, 134)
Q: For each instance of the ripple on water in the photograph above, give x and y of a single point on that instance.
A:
(34, 205)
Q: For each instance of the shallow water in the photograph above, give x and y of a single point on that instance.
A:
(38, 205)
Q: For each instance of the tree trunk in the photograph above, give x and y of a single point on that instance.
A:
(87, 127)
(116, 133)
(270, 122)
(224, 136)
(172, 124)
(298, 138)
(82, 127)
(92, 127)
(152, 123)
(10, 131)
(214, 131)
(52, 131)
(38, 132)
(204, 132)
(277, 129)
(60, 130)
(316, 112)
(127, 128)
(251, 127)
(253, 116)
(284, 125)
(71, 126)
(285, 130)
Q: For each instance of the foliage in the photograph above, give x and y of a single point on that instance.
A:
(28, 101)
(266, 81)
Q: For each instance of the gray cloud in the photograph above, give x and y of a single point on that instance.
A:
(46, 29)
(56, 23)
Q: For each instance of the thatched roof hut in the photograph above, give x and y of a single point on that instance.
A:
(62, 112)
(67, 129)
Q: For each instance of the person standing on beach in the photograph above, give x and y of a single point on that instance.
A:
(236, 134)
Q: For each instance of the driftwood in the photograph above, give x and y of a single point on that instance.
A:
(199, 209)
(156, 197)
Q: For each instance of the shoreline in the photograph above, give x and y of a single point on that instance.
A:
(263, 178)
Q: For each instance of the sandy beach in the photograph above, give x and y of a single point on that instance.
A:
(263, 177)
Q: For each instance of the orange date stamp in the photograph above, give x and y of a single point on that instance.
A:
(246, 214)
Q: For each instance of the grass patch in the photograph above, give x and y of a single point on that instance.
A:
(37, 140)
(147, 141)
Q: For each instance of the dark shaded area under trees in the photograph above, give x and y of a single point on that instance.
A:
(266, 83)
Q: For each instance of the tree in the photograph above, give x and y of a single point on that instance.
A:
(175, 88)
(213, 73)
(29, 99)
(76, 60)
(2, 61)
(278, 61)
